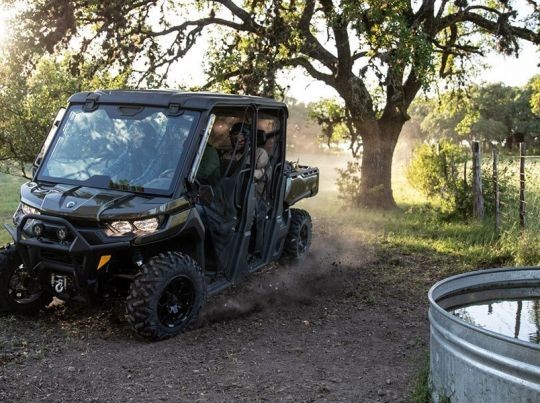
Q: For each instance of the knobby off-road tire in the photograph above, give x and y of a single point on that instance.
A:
(20, 291)
(166, 296)
(299, 237)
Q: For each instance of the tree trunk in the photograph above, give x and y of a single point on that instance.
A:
(379, 141)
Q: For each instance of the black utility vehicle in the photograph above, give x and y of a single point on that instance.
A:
(157, 197)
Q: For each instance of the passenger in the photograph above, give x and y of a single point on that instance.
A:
(209, 169)
(262, 159)
(239, 136)
(270, 144)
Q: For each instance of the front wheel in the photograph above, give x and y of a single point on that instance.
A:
(299, 237)
(21, 291)
(166, 296)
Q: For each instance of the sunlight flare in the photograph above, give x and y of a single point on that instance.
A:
(5, 15)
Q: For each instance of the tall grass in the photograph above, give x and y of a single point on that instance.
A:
(9, 199)
(520, 244)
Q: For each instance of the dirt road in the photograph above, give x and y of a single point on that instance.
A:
(327, 330)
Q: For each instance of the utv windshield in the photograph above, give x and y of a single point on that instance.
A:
(120, 147)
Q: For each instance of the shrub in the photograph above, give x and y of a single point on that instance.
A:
(438, 171)
(527, 252)
(348, 183)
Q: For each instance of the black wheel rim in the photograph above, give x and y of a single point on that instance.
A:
(303, 239)
(23, 287)
(176, 302)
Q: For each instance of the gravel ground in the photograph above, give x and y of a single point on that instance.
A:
(326, 330)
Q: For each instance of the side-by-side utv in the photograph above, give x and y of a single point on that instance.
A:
(160, 198)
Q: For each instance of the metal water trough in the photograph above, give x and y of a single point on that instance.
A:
(471, 364)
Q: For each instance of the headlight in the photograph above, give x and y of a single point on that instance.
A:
(141, 226)
(26, 209)
(150, 225)
(23, 210)
(122, 227)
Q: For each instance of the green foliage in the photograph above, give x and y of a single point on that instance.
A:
(491, 114)
(443, 173)
(421, 392)
(526, 249)
(437, 172)
(535, 97)
(383, 27)
(336, 127)
(9, 199)
(28, 105)
(348, 183)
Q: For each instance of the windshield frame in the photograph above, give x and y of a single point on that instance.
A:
(197, 115)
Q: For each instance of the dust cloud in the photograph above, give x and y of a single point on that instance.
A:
(339, 248)
(279, 286)
(325, 272)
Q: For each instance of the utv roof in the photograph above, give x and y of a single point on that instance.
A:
(195, 100)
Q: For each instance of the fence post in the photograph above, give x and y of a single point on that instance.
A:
(478, 198)
(496, 191)
(522, 210)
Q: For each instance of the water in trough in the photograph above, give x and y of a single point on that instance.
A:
(517, 318)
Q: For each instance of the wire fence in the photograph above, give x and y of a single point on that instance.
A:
(507, 188)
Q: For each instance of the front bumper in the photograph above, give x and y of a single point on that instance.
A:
(75, 257)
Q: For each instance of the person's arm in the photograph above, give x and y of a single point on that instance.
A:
(261, 163)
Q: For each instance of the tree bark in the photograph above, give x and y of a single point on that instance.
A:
(379, 139)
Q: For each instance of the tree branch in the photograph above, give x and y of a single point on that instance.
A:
(311, 47)
(306, 64)
(493, 27)
(239, 12)
(358, 55)
(203, 22)
(336, 22)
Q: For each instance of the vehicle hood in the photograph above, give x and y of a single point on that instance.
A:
(88, 203)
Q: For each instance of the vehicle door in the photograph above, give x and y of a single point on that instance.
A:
(229, 216)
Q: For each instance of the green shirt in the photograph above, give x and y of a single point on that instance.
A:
(209, 169)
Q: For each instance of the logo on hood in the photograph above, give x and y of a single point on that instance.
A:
(70, 204)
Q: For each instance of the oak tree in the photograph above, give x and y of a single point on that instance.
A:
(376, 54)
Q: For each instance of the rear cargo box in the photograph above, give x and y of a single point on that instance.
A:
(302, 182)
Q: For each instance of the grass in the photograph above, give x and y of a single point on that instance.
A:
(9, 199)
(421, 392)
(417, 227)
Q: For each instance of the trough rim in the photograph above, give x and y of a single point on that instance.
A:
(486, 272)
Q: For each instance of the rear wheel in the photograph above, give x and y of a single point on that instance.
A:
(21, 291)
(299, 237)
(166, 296)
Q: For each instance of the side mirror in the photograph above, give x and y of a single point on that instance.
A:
(206, 194)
